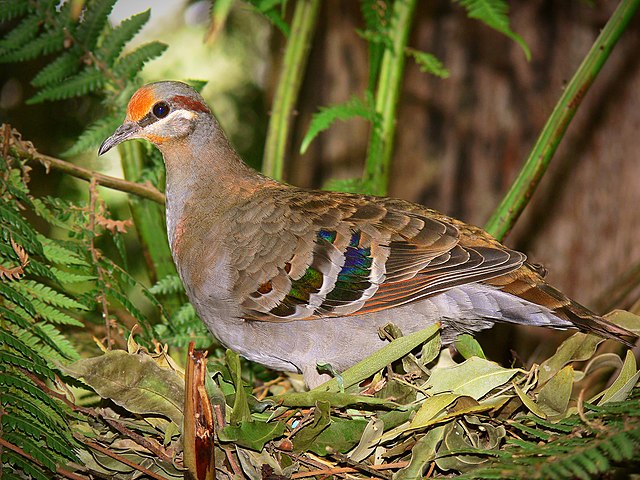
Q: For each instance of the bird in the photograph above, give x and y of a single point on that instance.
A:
(293, 278)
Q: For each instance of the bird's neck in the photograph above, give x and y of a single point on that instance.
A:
(205, 176)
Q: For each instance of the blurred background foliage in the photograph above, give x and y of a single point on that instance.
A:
(461, 136)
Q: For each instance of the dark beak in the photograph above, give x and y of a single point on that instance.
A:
(124, 132)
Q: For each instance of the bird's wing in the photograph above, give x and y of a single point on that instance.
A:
(307, 255)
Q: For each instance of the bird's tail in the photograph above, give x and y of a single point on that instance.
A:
(530, 286)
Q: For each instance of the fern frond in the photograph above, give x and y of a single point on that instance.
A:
(117, 38)
(15, 223)
(35, 449)
(45, 44)
(64, 66)
(56, 253)
(88, 80)
(131, 64)
(494, 13)
(32, 470)
(93, 135)
(49, 295)
(354, 107)
(167, 286)
(10, 9)
(34, 364)
(95, 19)
(428, 63)
(64, 276)
(11, 380)
(17, 298)
(28, 426)
(56, 340)
(23, 33)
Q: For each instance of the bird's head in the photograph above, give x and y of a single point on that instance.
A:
(160, 112)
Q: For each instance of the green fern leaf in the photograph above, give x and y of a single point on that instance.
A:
(56, 253)
(95, 18)
(57, 340)
(26, 31)
(46, 43)
(273, 10)
(34, 449)
(354, 107)
(117, 38)
(39, 411)
(64, 276)
(62, 67)
(49, 295)
(16, 297)
(53, 315)
(428, 63)
(33, 471)
(27, 426)
(7, 380)
(10, 9)
(37, 367)
(88, 80)
(131, 64)
(93, 135)
(167, 286)
(494, 13)
(15, 223)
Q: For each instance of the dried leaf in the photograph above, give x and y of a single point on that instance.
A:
(135, 382)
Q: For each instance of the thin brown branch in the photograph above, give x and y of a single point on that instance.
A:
(22, 453)
(119, 458)
(338, 470)
(359, 466)
(26, 150)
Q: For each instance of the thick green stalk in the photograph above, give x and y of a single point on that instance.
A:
(518, 196)
(148, 217)
(376, 174)
(294, 64)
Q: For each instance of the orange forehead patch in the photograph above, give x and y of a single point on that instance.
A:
(140, 104)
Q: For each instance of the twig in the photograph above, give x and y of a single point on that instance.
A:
(359, 466)
(26, 150)
(22, 453)
(220, 425)
(117, 457)
(136, 437)
(336, 470)
(518, 196)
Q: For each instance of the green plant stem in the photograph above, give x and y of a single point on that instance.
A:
(294, 64)
(518, 196)
(376, 174)
(148, 217)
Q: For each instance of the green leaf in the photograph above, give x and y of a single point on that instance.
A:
(428, 63)
(133, 381)
(554, 396)
(93, 135)
(304, 439)
(167, 285)
(62, 67)
(423, 452)
(576, 348)
(627, 379)
(240, 411)
(494, 13)
(468, 346)
(49, 295)
(335, 399)
(354, 107)
(431, 407)
(380, 359)
(253, 435)
(474, 377)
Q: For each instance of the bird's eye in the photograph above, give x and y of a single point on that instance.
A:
(161, 109)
